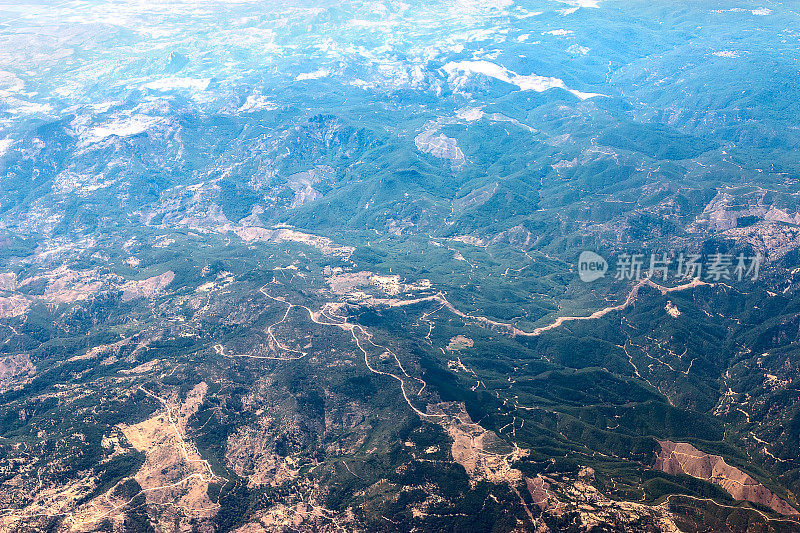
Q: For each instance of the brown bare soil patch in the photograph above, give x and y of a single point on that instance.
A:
(683, 458)
(147, 287)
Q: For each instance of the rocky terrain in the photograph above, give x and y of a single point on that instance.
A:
(683, 458)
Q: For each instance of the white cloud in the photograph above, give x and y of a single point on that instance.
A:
(577, 4)
(124, 127)
(168, 84)
(317, 74)
(22, 107)
(578, 50)
(526, 83)
(257, 103)
(5, 144)
(470, 114)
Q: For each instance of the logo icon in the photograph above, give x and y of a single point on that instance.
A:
(591, 266)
